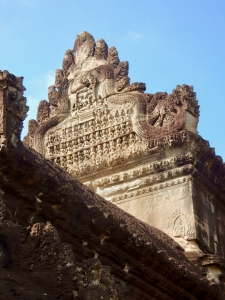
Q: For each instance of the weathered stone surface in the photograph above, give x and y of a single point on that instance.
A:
(139, 151)
(60, 240)
(12, 107)
(35, 264)
(99, 112)
(214, 267)
(142, 259)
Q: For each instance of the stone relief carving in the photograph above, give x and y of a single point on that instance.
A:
(96, 119)
(169, 165)
(123, 187)
(157, 197)
(120, 141)
(180, 225)
(13, 109)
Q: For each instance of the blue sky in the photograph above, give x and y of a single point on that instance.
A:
(167, 42)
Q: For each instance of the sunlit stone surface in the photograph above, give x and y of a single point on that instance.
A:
(140, 151)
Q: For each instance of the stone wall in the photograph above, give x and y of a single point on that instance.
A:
(60, 240)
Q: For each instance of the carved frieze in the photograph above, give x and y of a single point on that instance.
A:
(159, 193)
(155, 167)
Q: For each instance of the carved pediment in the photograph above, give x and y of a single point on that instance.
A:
(95, 119)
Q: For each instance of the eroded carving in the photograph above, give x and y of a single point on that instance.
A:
(180, 226)
(13, 109)
(97, 119)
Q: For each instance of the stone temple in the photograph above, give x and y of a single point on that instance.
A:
(149, 221)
